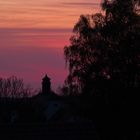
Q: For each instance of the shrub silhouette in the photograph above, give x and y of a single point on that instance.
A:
(14, 88)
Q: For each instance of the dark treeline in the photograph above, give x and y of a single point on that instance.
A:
(42, 116)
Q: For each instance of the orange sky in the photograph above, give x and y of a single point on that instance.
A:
(33, 34)
(44, 13)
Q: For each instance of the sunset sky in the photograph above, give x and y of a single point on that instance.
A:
(33, 34)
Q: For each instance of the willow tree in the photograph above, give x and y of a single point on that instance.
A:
(104, 50)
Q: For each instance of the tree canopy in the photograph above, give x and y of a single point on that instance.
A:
(104, 53)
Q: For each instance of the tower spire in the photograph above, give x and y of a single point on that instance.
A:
(46, 85)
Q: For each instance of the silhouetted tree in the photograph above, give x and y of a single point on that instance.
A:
(63, 90)
(104, 55)
(14, 88)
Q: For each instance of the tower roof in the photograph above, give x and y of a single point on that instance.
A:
(46, 78)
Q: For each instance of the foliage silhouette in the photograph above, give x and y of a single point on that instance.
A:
(104, 54)
(14, 87)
